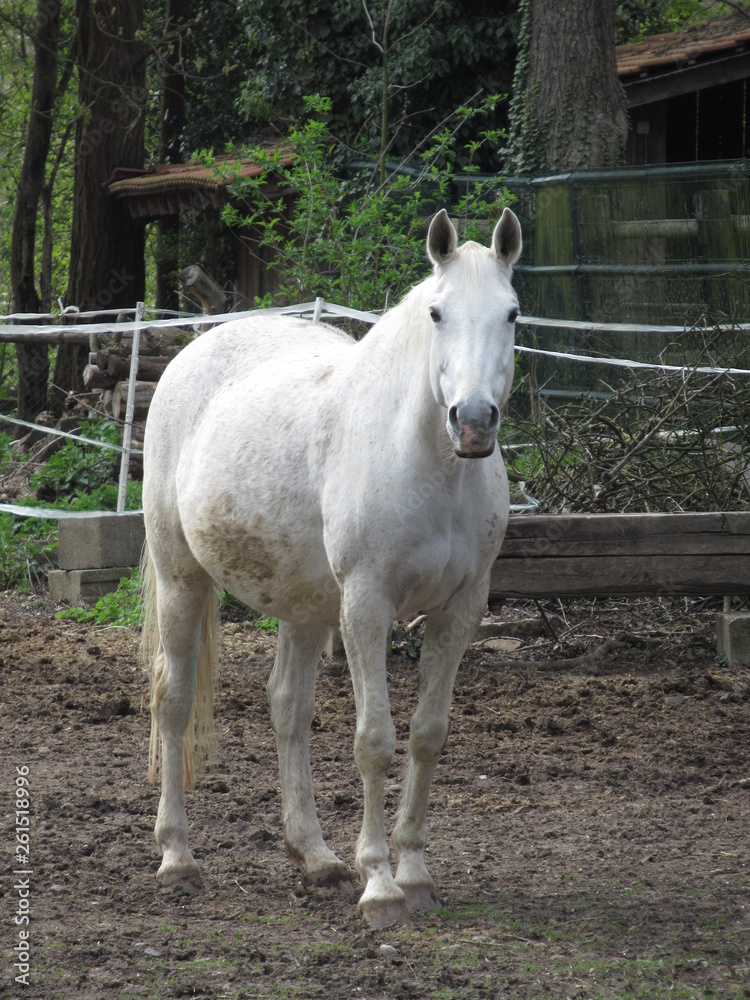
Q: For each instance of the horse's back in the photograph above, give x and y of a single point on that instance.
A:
(227, 468)
(232, 368)
(232, 352)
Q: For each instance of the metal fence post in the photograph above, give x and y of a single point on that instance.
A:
(127, 436)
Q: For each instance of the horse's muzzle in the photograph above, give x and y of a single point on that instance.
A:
(473, 428)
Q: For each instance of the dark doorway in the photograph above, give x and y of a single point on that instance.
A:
(708, 124)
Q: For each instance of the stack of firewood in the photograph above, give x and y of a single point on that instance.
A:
(107, 373)
(108, 370)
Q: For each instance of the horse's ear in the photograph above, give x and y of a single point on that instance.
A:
(506, 240)
(441, 238)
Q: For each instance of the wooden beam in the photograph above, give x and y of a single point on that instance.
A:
(628, 555)
(686, 78)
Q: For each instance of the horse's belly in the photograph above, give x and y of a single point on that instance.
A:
(270, 570)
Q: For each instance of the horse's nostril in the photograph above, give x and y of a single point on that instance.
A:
(453, 417)
(494, 415)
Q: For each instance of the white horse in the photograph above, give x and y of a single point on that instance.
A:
(328, 482)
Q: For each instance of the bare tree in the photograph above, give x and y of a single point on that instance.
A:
(33, 362)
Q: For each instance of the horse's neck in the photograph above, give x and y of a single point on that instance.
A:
(396, 352)
(397, 348)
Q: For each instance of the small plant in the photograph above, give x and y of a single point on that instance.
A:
(123, 608)
(267, 624)
(403, 642)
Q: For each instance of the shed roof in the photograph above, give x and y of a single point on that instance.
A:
(699, 55)
(169, 188)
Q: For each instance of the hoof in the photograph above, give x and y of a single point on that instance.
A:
(378, 913)
(332, 877)
(419, 896)
(185, 878)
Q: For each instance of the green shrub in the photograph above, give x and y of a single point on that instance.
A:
(80, 468)
(28, 548)
(77, 477)
(349, 236)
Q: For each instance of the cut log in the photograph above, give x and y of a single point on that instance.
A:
(198, 285)
(95, 378)
(149, 369)
(106, 404)
(144, 393)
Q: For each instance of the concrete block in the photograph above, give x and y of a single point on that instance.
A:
(101, 540)
(82, 586)
(733, 636)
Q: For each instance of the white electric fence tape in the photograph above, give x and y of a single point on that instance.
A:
(319, 310)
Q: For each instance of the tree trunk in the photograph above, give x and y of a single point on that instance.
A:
(33, 363)
(107, 267)
(569, 108)
(171, 125)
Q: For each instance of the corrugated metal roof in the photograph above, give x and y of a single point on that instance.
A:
(694, 42)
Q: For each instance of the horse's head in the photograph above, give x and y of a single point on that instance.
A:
(473, 310)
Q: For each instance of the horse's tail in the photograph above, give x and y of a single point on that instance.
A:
(199, 741)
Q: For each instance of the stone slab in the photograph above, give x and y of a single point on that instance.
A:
(84, 586)
(733, 636)
(100, 541)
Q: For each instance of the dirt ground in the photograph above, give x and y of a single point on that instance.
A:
(590, 830)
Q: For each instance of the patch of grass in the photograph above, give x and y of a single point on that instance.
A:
(123, 607)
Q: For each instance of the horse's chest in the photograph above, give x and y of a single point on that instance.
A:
(432, 565)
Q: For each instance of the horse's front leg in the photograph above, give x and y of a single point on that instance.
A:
(447, 634)
(364, 625)
(291, 693)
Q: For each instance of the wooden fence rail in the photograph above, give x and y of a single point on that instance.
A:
(624, 555)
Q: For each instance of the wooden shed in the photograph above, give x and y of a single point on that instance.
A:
(687, 92)
(198, 191)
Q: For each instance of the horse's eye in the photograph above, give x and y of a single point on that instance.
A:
(513, 315)
(435, 314)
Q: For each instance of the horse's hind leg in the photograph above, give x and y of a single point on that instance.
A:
(181, 604)
(291, 693)
(447, 635)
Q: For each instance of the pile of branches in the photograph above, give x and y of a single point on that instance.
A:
(659, 441)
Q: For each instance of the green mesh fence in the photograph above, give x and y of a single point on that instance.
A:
(643, 245)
